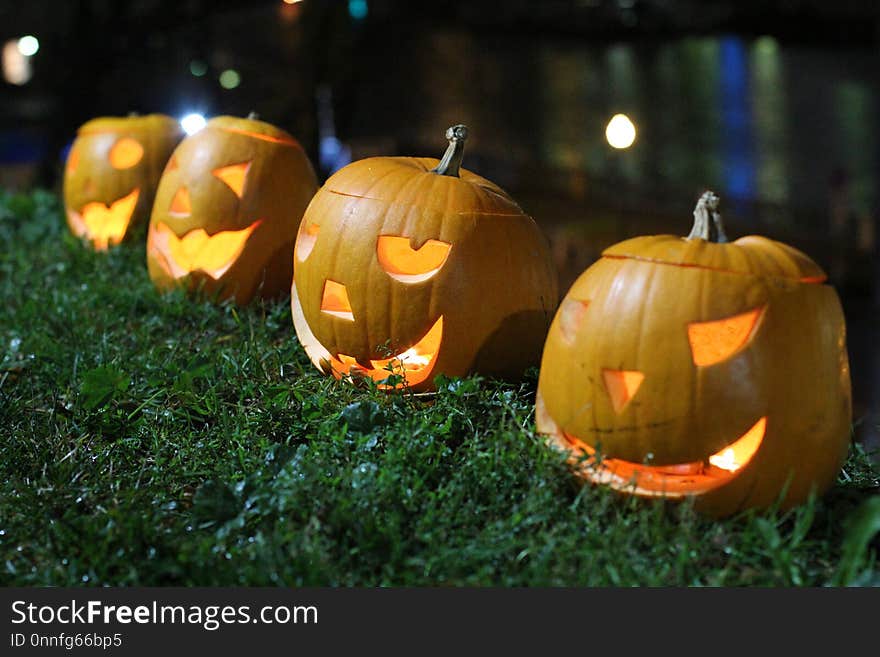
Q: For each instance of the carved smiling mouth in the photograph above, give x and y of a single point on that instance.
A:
(677, 480)
(197, 251)
(104, 225)
(415, 364)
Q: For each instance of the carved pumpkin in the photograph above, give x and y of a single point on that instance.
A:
(420, 268)
(696, 367)
(112, 172)
(227, 211)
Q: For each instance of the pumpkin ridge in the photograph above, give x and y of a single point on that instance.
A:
(460, 213)
(281, 141)
(375, 183)
(806, 280)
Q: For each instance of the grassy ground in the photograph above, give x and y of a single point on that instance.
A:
(156, 440)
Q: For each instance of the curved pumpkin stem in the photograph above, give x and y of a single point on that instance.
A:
(707, 220)
(451, 162)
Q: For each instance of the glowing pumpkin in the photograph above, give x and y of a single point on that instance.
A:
(227, 211)
(422, 268)
(694, 367)
(112, 172)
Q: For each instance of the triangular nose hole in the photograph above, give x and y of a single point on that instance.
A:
(622, 386)
(335, 301)
(180, 203)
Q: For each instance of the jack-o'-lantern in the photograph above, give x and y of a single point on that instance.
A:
(679, 367)
(112, 172)
(413, 267)
(227, 211)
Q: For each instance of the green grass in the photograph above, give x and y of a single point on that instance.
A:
(156, 440)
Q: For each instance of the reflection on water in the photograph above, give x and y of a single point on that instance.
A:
(786, 134)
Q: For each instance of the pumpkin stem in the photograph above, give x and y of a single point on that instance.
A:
(451, 162)
(253, 116)
(707, 220)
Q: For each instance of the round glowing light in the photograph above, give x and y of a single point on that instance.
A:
(192, 123)
(291, 2)
(198, 68)
(358, 9)
(621, 132)
(28, 45)
(230, 79)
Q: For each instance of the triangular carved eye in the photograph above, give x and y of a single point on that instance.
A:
(172, 165)
(234, 176)
(717, 340)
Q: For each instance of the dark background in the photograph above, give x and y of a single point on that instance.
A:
(774, 104)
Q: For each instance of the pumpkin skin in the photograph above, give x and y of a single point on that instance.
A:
(639, 366)
(227, 211)
(111, 174)
(466, 271)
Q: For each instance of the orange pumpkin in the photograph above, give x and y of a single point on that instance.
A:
(112, 172)
(418, 267)
(227, 211)
(681, 367)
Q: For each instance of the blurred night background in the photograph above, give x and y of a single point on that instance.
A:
(774, 104)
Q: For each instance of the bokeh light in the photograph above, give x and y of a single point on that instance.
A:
(230, 79)
(28, 45)
(192, 123)
(16, 67)
(198, 68)
(620, 132)
(358, 9)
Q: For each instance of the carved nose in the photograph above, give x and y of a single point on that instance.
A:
(622, 386)
(335, 301)
(180, 205)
